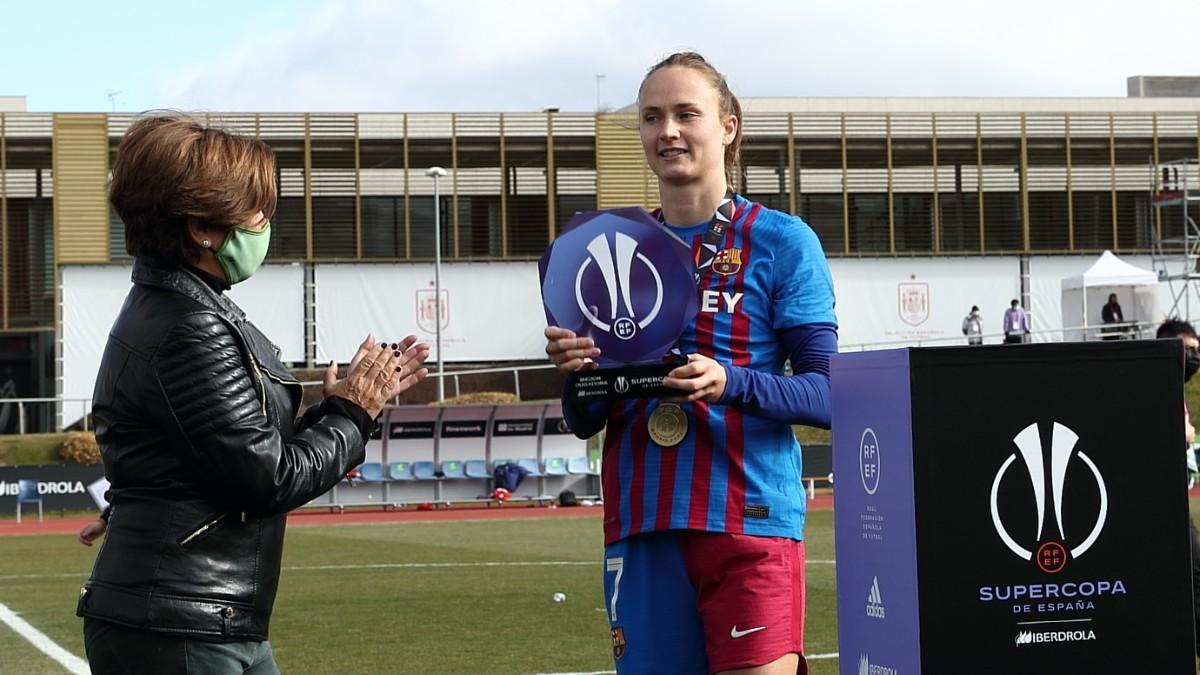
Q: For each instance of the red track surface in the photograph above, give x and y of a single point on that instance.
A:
(322, 517)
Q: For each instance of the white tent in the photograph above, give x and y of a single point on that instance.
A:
(1084, 296)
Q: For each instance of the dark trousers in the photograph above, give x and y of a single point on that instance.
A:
(1011, 339)
(1196, 580)
(116, 649)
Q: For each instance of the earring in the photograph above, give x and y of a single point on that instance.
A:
(206, 243)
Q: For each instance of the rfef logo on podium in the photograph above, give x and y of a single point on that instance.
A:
(868, 460)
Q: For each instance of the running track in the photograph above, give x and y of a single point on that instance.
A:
(315, 516)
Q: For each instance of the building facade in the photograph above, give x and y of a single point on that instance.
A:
(874, 178)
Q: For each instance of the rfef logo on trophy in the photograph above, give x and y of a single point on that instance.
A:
(621, 384)
(616, 267)
(1051, 553)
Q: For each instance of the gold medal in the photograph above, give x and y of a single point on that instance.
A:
(668, 425)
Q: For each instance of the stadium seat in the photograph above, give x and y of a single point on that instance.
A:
(423, 471)
(530, 464)
(499, 462)
(27, 493)
(372, 472)
(400, 470)
(476, 468)
(556, 466)
(579, 466)
(452, 469)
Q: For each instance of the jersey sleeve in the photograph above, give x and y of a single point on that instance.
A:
(803, 287)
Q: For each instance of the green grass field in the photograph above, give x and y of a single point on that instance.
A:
(406, 597)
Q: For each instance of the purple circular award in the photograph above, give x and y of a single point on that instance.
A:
(623, 279)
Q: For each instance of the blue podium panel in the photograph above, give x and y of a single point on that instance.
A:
(874, 515)
(1013, 509)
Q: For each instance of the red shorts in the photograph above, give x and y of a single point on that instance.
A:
(710, 600)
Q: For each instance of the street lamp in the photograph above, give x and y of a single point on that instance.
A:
(437, 172)
(599, 79)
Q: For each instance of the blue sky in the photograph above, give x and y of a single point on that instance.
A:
(69, 55)
(463, 55)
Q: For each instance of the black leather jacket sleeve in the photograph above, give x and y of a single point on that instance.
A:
(220, 414)
(338, 405)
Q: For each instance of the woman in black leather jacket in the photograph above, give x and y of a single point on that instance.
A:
(197, 417)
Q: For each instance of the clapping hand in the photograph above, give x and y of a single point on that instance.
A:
(379, 372)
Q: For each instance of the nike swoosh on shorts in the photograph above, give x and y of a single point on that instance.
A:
(735, 633)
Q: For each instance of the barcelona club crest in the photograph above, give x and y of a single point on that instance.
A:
(618, 637)
(728, 261)
(914, 303)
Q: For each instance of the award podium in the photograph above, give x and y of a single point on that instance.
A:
(1012, 509)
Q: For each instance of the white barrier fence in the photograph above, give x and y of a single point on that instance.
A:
(72, 406)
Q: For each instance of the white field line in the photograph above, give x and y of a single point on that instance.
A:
(45, 645)
(376, 566)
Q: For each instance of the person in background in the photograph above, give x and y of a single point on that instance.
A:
(704, 552)
(1016, 324)
(1111, 314)
(197, 417)
(1182, 330)
(972, 326)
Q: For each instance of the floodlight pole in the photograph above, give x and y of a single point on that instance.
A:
(437, 172)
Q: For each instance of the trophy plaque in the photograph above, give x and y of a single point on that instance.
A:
(626, 281)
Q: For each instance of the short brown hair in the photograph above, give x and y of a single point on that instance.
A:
(727, 103)
(171, 169)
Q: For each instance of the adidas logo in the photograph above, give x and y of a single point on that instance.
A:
(875, 601)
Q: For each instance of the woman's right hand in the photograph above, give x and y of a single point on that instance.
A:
(379, 372)
(92, 531)
(568, 352)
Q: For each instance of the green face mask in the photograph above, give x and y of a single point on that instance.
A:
(243, 252)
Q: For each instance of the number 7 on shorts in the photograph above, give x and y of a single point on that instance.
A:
(614, 565)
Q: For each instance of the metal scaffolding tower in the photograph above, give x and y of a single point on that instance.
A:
(1175, 197)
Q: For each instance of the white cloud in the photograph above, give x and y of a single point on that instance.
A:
(526, 54)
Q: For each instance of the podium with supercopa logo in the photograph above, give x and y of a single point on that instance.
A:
(1012, 509)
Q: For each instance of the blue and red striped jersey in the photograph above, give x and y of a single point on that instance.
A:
(732, 472)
